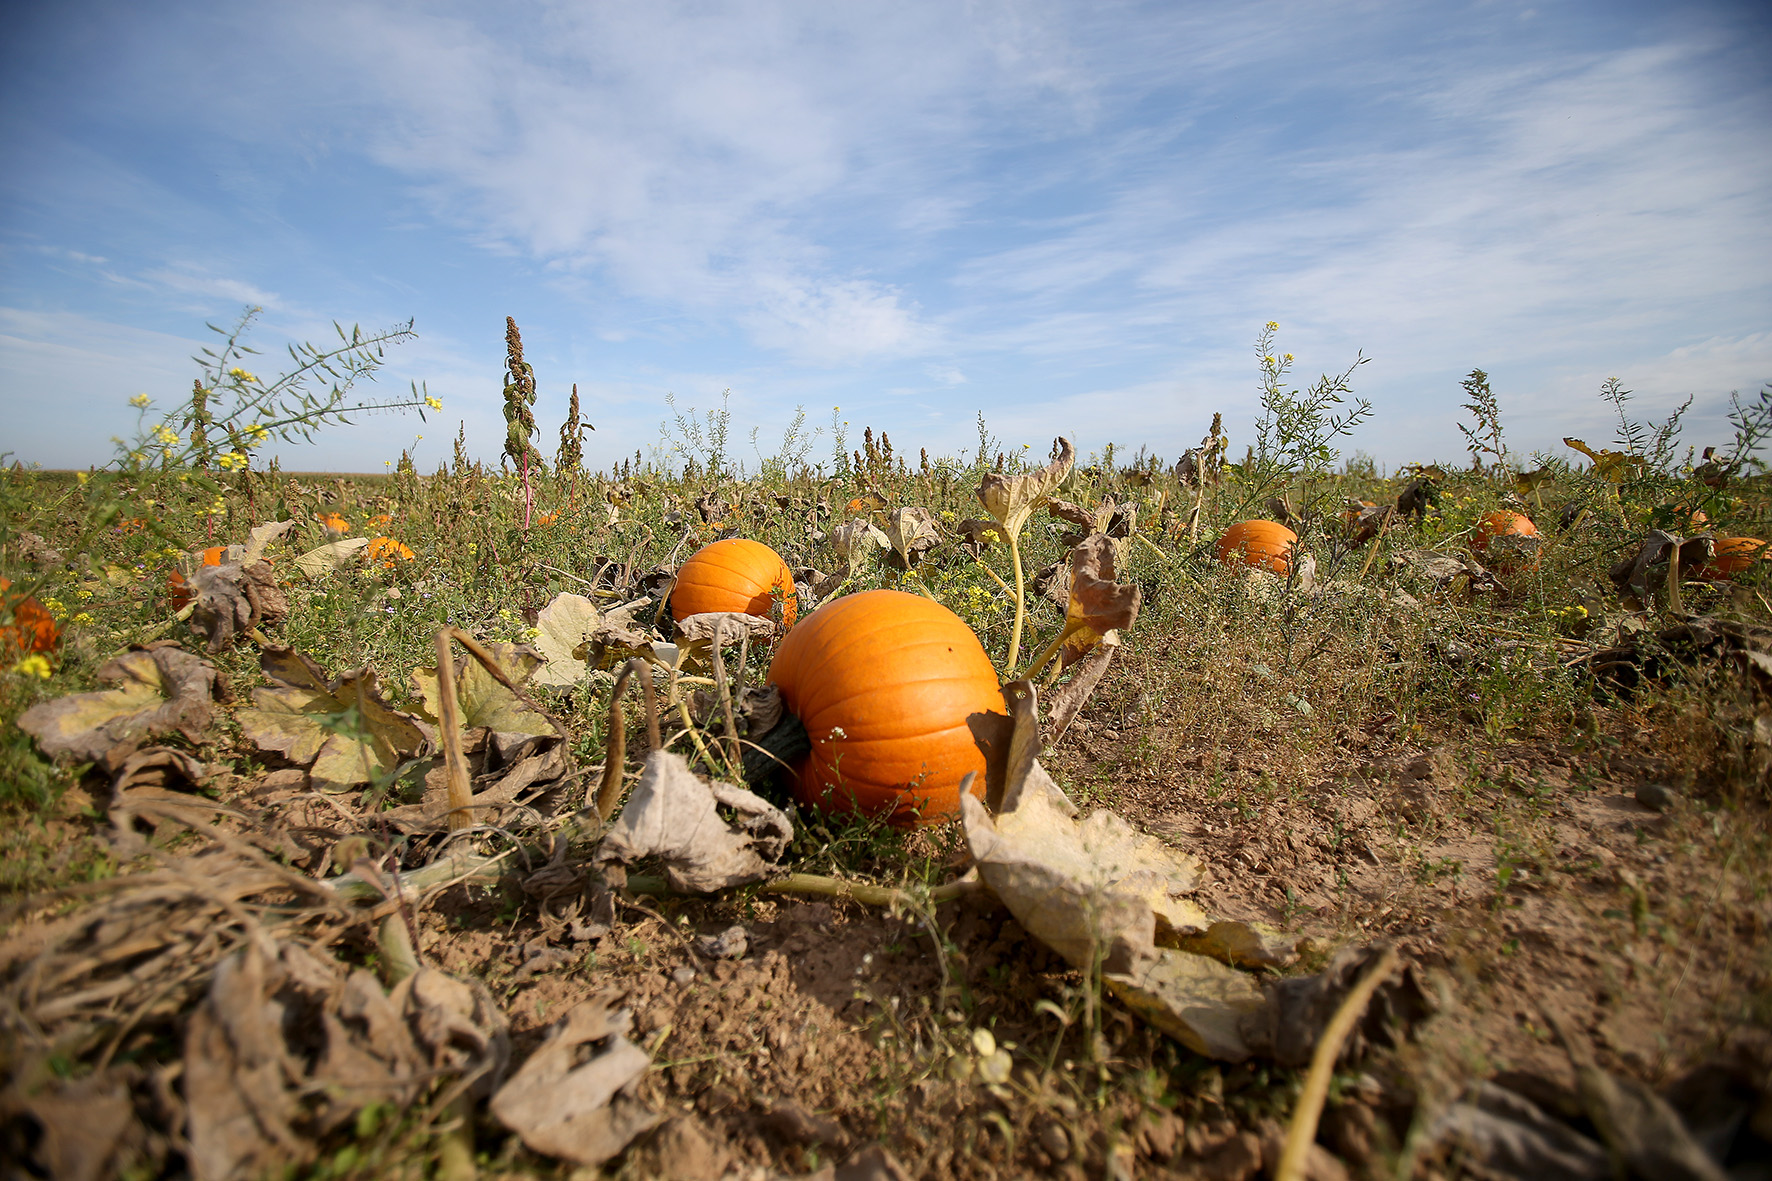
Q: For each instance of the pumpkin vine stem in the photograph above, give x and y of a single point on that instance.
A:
(1021, 601)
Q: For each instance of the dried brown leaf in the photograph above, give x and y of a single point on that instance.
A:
(1083, 888)
(339, 728)
(156, 691)
(584, 1113)
(231, 599)
(1194, 999)
(674, 815)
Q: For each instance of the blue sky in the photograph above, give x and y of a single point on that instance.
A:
(1073, 218)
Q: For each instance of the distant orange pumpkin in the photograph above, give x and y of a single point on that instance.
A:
(1735, 555)
(335, 525)
(1266, 545)
(32, 628)
(1510, 530)
(737, 574)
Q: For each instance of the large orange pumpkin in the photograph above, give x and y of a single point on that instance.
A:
(1735, 555)
(32, 628)
(1266, 544)
(884, 683)
(733, 575)
(1511, 553)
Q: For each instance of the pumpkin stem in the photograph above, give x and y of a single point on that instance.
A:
(1051, 650)
(455, 763)
(734, 756)
(1020, 603)
(615, 746)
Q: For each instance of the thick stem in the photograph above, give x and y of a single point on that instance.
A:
(1051, 650)
(1302, 1132)
(455, 763)
(1021, 605)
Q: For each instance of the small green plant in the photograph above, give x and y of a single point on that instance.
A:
(701, 444)
(1295, 435)
(1484, 438)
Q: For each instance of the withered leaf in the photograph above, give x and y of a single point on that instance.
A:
(340, 728)
(331, 557)
(1098, 605)
(730, 626)
(911, 533)
(565, 624)
(156, 691)
(1638, 573)
(1194, 999)
(1615, 466)
(1010, 499)
(582, 1113)
(675, 815)
(854, 540)
(978, 534)
(261, 538)
(233, 598)
(483, 701)
(1441, 570)
(1071, 696)
(1082, 887)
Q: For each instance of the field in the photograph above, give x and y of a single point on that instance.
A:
(1503, 801)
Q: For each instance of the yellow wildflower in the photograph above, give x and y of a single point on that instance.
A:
(433, 403)
(140, 401)
(34, 665)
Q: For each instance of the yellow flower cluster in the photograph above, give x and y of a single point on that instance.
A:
(239, 374)
(233, 461)
(433, 403)
(34, 665)
(141, 401)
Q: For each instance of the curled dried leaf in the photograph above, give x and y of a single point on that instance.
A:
(911, 533)
(854, 540)
(1098, 605)
(233, 598)
(675, 815)
(580, 1109)
(729, 627)
(1010, 499)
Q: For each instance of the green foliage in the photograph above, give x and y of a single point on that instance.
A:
(1295, 435)
(1483, 438)
(700, 446)
(250, 410)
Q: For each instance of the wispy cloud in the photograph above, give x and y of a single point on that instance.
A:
(1070, 211)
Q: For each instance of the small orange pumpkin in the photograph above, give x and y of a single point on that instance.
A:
(734, 575)
(335, 525)
(885, 683)
(1510, 529)
(1735, 555)
(1264, 544)
(32, 628)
